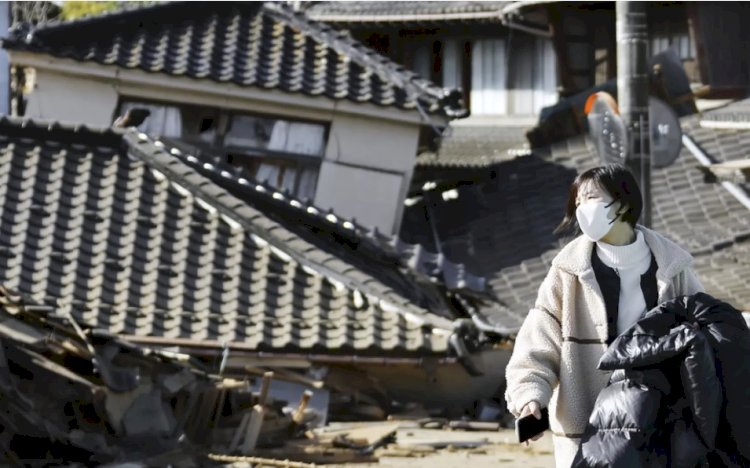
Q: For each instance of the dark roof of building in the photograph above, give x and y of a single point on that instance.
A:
(735, 114)
(723, 133)
(476, 146)
(132, 240)
(265, 45)
(502, 228)
(401, 12)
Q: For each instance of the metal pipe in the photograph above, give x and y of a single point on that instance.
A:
(632, 90)
(706, 161)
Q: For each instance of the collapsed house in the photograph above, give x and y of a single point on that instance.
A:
(71, 393)
(502, 226)
(119, 231)
(283, 152)
(114, 403)
(303, 107)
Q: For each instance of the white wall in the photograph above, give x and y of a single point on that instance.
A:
(68, 98)
(372, 142)
(368, 161)
(367, 170)
(370, 197)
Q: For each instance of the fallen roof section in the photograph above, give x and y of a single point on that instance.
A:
(112, 401)
(502, 228)
(722, 138)
(266, 45)
(476, 147)
(109, 225)
(410, 269)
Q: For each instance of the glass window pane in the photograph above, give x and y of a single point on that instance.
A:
(249, 131)
(269, 173)
(288, 178)
(307, 182)
(276, 135)
(453, 64)
(305, 138)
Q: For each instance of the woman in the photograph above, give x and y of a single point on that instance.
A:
(597, 287)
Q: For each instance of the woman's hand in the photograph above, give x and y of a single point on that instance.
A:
(532, 407)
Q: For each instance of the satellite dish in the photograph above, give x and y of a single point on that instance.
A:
(606, 128)
(671, 82)
(666, 133)
(608, 132)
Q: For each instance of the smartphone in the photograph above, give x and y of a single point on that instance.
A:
(529, 426)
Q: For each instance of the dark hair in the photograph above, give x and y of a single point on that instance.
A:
(617, 181)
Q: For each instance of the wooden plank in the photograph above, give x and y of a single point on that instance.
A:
(299, 413)
(252, 427)
(311, 452)
(239, 432)
(439, 439)
(732, 165)
(363, 435)
(289, 376)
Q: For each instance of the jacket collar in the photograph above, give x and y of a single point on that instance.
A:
(671, 259)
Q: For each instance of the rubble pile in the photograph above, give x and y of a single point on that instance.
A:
(72, 393)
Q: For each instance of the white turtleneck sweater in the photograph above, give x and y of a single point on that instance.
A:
(630, 262)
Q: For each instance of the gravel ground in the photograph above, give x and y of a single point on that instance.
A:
(501, 450)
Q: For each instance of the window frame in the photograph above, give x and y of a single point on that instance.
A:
(299, 161)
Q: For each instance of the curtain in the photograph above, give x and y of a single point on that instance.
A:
(279, 136)
(307, 183)
(163, 121)
(305, 138)
(268, 173)
(288, 177)
(452, 63)
(422, 62)
(297, 138)
(488, 77)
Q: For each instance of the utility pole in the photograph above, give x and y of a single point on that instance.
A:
(632, 92)
(4, 63)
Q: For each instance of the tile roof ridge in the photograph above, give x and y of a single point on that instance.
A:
(418, 92)
(91, 135)
(115, 138)
(158, 150)
(387, 69)
(411, 255)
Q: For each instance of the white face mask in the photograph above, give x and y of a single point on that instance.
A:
(593, 220)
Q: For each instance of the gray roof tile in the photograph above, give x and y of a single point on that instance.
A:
(476, 146)
(254, 44)
(164, 265)
(503, 228)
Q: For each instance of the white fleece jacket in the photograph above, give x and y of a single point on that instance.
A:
(559, 345)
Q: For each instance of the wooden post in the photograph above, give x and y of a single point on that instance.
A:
(299, 413)
(256, 416)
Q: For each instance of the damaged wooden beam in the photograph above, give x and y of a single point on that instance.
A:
(737, 172)
(254, 419)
